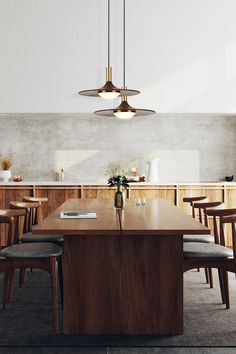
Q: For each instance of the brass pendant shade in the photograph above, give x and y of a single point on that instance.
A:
(124, 111)
(109, 88)
(124, 107)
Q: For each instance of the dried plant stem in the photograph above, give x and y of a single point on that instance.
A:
(6, 163)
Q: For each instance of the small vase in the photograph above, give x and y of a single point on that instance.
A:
(119, 200)
(152, 171)
(5, 175)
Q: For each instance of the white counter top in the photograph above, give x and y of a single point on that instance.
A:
(85, 183)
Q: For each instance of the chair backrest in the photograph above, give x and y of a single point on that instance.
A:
(42, 209)
(202, 206)
(191, 200)
(218, 215)
(10, 234)
(12, 219)
(31, 209)
(230, 219)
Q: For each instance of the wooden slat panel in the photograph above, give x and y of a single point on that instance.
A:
(56, 197)
(42, 193)
(98, 192)
(16, 194)
(1, 198)
(231, 197)
(214, 193)
(163, 192)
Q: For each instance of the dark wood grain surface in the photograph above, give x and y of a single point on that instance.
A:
(157, 217)
(152, 285)
(92, 284)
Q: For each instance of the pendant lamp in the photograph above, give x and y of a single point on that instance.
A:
(109, 90)
(124, 110)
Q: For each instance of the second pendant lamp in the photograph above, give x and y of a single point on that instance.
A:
(124, 110)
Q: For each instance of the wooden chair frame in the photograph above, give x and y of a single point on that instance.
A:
(33, 213)
(192, 200)
(9, 265)
(201, 204)
(33, 216)
(224, 265)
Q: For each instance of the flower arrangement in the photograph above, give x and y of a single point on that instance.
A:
(6, 163)
(117, 168)
(119, 181)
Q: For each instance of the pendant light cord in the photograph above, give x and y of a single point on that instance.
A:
(124, 44)
(108, 34)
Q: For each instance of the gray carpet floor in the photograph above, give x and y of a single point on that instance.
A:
(26, 325)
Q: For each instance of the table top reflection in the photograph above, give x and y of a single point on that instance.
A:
(156, 217)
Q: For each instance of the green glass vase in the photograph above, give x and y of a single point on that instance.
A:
(119, 200)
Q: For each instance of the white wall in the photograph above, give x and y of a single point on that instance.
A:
(180, 53)
(190, 147)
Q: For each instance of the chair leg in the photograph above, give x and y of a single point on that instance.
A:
(222, 290)
(226, 288)
(53, 272)
(60, 273)
(22, 278)
(198, 269)
(210, 277)
(5, 289)
(8, 287)
(11, 285)
(207, 275)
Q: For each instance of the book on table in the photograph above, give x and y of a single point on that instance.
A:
(78, 215)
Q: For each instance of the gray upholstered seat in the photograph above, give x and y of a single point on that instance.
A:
(200, 249)
(198, 238)
(31, 250)
(29, 237)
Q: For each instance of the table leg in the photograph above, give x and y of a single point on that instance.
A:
(152, 284)
(91, 269)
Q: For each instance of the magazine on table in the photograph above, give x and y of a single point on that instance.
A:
(78, 215)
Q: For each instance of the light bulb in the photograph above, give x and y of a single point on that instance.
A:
(124, 115)
(108, 95)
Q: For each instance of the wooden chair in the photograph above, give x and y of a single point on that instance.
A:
(31, 255)
(33, 216)
(200, 203)
(215, 255)
(35, 199)
(201, 208)
(196, 238)
(192, 200)
(39, 211)
(16, 214)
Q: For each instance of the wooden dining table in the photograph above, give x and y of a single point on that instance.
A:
(123, 271)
